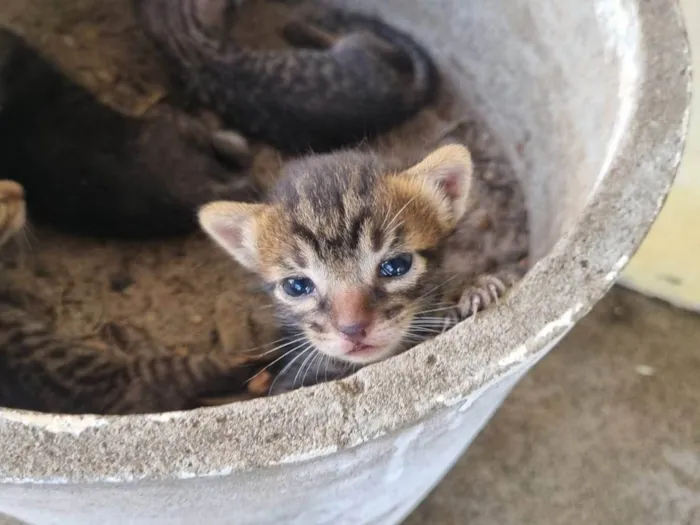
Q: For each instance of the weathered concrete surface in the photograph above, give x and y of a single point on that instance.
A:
(590, 99)
(605, 430)
(666, 265)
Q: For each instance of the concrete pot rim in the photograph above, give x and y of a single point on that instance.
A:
(403, 391)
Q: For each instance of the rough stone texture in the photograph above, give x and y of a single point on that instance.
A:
(591, 100)
(603, 431)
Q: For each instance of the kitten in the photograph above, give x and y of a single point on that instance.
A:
(88, 169)
(40, 371)
(352, 254)
(337, 91)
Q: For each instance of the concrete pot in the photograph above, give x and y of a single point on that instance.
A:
(591, 99)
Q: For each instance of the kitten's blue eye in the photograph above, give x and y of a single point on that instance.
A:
(396, 266)
(298, 286)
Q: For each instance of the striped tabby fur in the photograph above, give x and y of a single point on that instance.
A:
(333, 92)
(40, 371)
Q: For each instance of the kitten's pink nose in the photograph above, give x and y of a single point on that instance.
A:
(351, 313)
(355, 332)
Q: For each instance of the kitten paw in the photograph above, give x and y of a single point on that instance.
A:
(206, 132)
(487, 291)
(232, 146)
(257, 386)
(260, 384)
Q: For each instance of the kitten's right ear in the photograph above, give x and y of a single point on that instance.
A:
(232, 226)
(449, 170)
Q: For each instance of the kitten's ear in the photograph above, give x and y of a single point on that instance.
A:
(232, 226)
(449, 170)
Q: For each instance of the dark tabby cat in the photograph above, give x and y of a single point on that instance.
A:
(352, 254)
(346, 89)
(40, 371)
(88, 169)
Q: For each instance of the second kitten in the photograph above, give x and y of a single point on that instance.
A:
(88, 169)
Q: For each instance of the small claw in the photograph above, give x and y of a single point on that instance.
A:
(451, 320)
(471, 303)
(476, 303)
(496, 287)
(493, 291)
(489, 291)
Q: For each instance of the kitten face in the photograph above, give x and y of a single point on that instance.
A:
(351, 252)
(12, 209)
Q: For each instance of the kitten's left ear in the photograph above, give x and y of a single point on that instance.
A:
(232, 225)
(449, 171)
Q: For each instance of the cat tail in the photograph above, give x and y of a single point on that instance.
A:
(174, 28)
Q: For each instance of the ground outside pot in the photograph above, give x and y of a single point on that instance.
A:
(590, 100)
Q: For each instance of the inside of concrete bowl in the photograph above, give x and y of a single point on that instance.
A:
(558, 84)
(188, 296)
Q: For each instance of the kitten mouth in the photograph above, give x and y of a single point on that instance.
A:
(361, 349)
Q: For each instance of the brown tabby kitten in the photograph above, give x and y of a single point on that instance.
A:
(328, 92)
(40, 371)
(352, 253)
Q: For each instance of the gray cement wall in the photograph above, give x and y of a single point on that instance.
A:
(591, 100)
